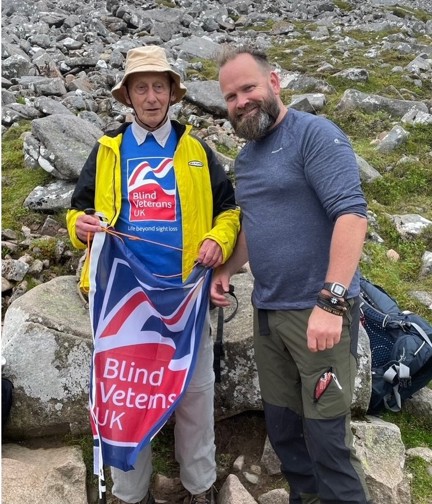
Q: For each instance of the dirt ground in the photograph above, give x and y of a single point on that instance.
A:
(242, 434)
(245, 434)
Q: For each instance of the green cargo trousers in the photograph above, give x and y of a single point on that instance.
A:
(307, 398)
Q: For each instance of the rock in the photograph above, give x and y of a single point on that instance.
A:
(421, 452)
(54, 196)
(315, 100)
(276, 496)
(14, 269)
(49, 106)
(251, 478)
(353, 99)
(410, 225)
(269, 459)
(239, 463)
(66, 142)
(379, 446)
(392, 255)
(420, 404)
(426, 269)
(51, 392)
(233, 492)
(58, 71)
(207, 95)
(354, 74)
(6, 285)
(51, 476)
(394, 139)
(367, 172)
(239, 388)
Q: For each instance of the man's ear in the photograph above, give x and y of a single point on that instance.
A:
(126, 95)
(275, 82)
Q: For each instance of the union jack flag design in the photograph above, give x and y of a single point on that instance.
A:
(146, 334)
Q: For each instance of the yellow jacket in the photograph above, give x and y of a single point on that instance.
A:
(206, 195)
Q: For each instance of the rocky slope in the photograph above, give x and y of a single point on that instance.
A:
(366, 64)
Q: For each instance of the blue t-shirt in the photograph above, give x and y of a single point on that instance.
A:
(292, 185)
(150, 207)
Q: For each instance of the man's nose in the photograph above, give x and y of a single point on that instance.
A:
(242, 101)
(151, 95)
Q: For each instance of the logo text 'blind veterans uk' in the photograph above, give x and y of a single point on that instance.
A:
(146, 335)
(152, 192)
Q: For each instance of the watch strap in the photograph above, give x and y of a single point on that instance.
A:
(335, 288)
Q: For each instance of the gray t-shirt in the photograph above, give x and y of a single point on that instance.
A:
(291, 186)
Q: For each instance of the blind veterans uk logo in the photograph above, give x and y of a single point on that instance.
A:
(146, 334)
(152, 191)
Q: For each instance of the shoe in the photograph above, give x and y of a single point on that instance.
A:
(148, 499)
(206, 497)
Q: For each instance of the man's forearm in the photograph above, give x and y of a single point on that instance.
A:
(239, 256)
(346, 248)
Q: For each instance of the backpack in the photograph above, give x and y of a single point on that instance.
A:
(401, 348)
(7, 390)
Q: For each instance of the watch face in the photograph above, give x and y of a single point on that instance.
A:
(338, 290)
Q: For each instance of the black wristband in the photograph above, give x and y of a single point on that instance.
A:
(324, 303)
(331, 310)
(333, 301)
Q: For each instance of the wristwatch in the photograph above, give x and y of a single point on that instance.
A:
(336, 289)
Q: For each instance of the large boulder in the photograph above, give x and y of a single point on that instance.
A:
(47, 345)
(60, 144)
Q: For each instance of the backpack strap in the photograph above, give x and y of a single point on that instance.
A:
(401, 373)
(397, 398)
(422, 333)
(218, 350)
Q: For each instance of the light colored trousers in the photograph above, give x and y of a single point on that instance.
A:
(194, 436)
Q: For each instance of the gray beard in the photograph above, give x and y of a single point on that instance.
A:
(257, 126)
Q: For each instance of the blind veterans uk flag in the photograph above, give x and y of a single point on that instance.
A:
(146, 333)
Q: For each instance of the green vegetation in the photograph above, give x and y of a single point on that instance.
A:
(18, 181)
(163, 452)
(407, 12)
(415, 431)
(343, 5)
(421, 486)
(203, 69)
(306, 56)
(223, 149)
(166, 3)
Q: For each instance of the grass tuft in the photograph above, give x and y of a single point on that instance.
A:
(18, 181)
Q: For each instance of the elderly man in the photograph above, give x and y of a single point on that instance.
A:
(192, 194)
